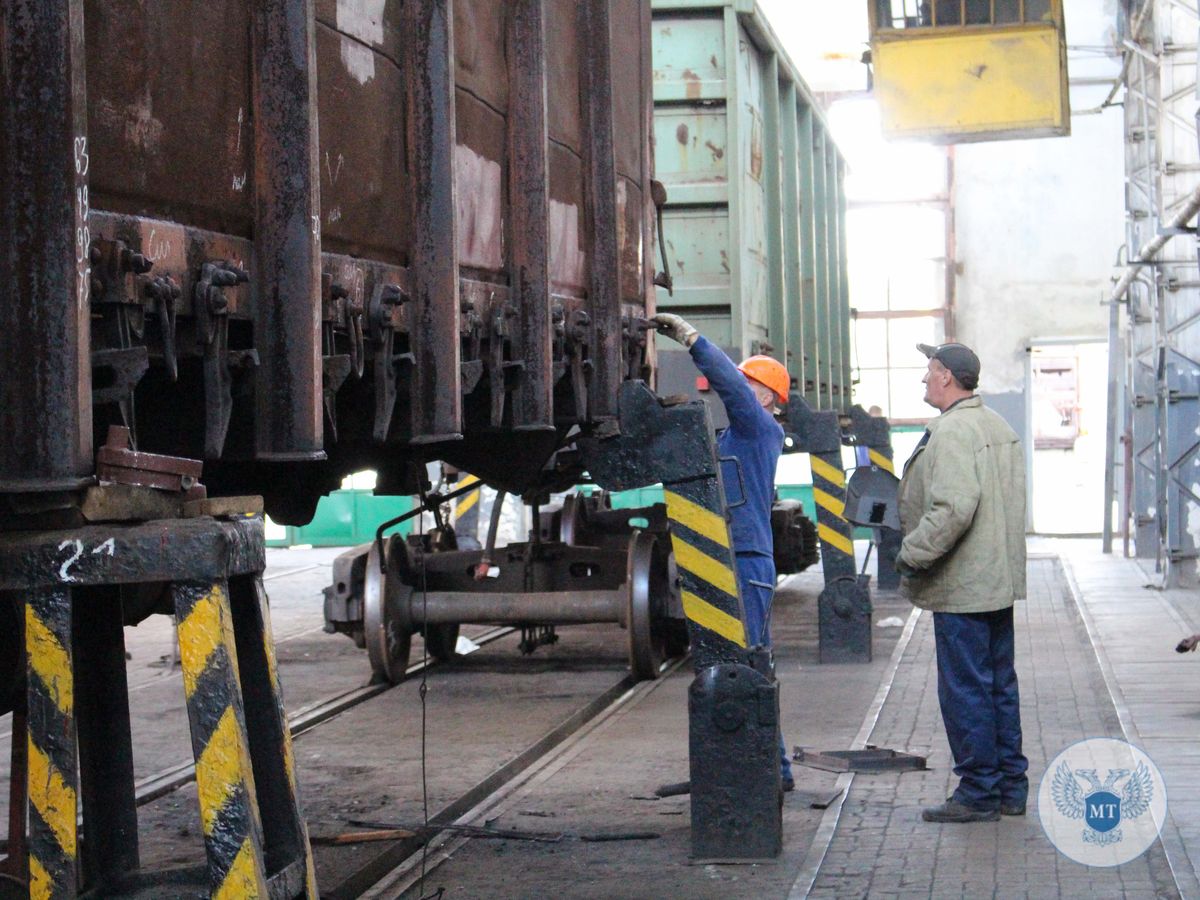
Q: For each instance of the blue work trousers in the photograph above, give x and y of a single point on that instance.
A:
(756, 581)
(981, 707)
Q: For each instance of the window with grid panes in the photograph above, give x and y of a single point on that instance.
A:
(903, 14)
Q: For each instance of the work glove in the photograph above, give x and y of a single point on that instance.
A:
(676, 328)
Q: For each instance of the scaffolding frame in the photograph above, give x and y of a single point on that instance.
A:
(1156, 430)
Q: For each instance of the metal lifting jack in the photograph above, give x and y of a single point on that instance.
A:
(733, 702)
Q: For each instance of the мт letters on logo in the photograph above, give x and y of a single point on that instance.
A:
(1079, 794)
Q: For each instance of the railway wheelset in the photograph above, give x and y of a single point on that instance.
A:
(587, 564)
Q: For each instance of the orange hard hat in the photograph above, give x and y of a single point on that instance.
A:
(769, 371)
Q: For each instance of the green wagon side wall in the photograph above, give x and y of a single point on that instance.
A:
(754, 225)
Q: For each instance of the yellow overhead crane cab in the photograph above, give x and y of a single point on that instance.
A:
(952, 71)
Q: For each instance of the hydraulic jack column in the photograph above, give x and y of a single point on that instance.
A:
(844, 606)
(733, 703)
(872, 432)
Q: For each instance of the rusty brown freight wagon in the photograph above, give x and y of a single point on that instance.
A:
(298, 238)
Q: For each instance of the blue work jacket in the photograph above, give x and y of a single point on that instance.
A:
(755, 439)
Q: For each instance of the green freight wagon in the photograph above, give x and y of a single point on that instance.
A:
(754, 226)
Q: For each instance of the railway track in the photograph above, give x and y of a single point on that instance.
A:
(397, 867)
(304, 719)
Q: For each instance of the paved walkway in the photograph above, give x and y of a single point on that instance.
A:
(1135, 628)
(881, 848)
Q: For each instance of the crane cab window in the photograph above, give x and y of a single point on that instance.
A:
(902, 14)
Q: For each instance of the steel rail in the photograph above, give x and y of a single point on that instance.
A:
(391, 872)
(303, 720)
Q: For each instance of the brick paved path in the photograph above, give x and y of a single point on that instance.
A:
(882, 848)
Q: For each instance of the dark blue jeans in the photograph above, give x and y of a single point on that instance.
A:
(756, 581)
(981, 707)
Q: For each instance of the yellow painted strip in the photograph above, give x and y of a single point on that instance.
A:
(702, 521)
(828, 472)
(704, 566)
(289, 763)
(705, 614)
(310, 872)
(882, 461)
(838, 540)
(830, 502)
(224, 764)
(200, 634)
(41, 885)
(50, 660)
(244, 878)
(53, 798)
(467, 500)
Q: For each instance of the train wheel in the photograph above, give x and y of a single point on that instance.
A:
(570, 519)
(440, 640)
(647, 574)
(389, 641)
(676, 637)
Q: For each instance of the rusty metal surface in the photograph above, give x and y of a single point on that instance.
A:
(287, 233)
(604, 211)
(45, 398)
(436, 399)
(170, 111)
(529, 214)
(461, 250)
(361, 118)
(119, 463)
(132, 554)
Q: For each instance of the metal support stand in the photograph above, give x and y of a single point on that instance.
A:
(872, 432)
(733, 703)
(844, 606)
(70, 584)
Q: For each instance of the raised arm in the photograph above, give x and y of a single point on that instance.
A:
(745, 413)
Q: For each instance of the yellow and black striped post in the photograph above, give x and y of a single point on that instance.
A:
(466, 509)
(835, 533)
(53, 780)
(733, 702)
(888, 547)
(286, 818)
(705, 559)
(844, 606)
(232, 824)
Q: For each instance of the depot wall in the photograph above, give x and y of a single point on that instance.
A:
(1038, 224)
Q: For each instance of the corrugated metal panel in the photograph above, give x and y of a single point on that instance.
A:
(754, 221)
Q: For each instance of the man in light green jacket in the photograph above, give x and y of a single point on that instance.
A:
(962, 509)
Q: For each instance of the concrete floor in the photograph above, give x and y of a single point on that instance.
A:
(1096, 657)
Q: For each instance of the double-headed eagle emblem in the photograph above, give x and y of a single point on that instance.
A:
(1100, 805)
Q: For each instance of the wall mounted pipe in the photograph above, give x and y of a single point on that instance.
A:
(1151, 248)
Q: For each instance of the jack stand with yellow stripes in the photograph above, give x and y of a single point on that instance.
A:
(466, 510)
(733, 703)
(881, 513)
(77, 589)
(844, 606)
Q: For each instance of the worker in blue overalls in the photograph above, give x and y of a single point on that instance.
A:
(751, 393)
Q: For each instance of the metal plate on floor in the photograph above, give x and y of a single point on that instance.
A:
(871, 759)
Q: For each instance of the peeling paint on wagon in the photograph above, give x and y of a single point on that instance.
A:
(480, 209)
(754, 235)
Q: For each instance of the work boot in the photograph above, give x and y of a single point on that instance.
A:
(789, 784)
(1012, 808)
(953, 811)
